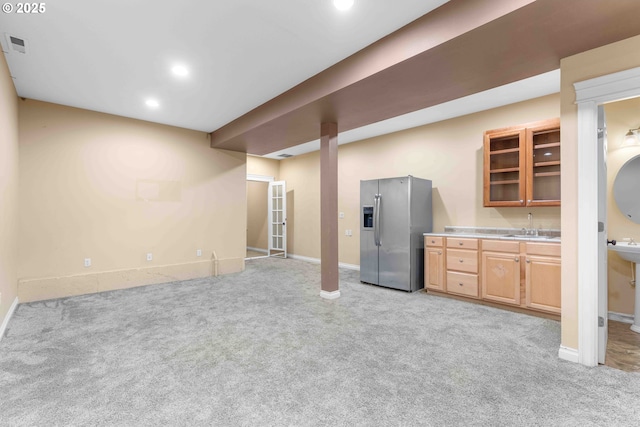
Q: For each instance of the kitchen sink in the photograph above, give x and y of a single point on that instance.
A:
(528, 236)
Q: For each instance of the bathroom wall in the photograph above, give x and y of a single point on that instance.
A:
(620, 116)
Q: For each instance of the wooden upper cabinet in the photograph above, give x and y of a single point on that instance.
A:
(543, 169)
(522, 165)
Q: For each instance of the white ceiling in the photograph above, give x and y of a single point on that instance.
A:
(113, 55)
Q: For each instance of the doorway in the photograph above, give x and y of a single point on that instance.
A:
(623, 345)
(590, 94)
(257, 216)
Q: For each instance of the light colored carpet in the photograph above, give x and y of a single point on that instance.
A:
(262, 348)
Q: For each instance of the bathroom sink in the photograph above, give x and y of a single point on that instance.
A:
(631, 253)
(627, 251)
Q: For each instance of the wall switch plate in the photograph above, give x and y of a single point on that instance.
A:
(149, 256)
(198, 252)
(348, 233)
(87, 262)
(341, 215)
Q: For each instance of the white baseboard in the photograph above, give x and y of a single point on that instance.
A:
(304, 258)
(568, 354)
(621, 317)
(263, 251)
(5, 322)
(317, 261)
(330, 295)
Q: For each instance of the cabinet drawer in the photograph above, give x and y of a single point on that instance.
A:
(462, 260)
(548, 249)
(433, 240)
(501, 246)
(462, 243)
(462, 284)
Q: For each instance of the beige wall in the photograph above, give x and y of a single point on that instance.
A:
(257, 231)
(597, 62)
(263, 166)
(8, 190)
(113, 189)
(448, 152)
(621, 116)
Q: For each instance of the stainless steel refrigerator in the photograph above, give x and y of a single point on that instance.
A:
(394, 213)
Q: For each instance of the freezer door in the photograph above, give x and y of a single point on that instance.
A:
(368, 248)
(394, 251)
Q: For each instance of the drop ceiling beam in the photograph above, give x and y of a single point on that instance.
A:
(443, 24)
(461, 48)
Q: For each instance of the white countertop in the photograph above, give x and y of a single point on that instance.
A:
(546, 235)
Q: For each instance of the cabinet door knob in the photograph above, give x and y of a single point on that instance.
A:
(460, 284)
(461, 243)
(461, 260)
(528, 201)
(521, 202)
(439, 252)
(528, 261)
(516, 259)
(433, 241)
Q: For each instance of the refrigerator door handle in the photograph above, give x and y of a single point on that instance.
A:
(376, 219)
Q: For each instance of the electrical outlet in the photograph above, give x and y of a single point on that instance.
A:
(348, 233)
(87, 262)
(341, 215)
(198, 252)
(149, 256)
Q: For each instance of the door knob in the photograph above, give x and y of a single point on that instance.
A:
(611, 242)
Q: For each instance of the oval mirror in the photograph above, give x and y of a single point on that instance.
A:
(626, 189)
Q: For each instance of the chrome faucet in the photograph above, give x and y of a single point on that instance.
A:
(531, 231)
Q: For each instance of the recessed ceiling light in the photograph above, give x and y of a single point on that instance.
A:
(152, 103)
(180, 70)
(343, 4)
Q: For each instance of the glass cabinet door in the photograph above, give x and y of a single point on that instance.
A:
(543, 175)
(504, 156)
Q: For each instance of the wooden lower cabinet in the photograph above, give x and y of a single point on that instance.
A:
(543, 283)
(462, 284)
(525, 274)
(501, 277)
(434, 268)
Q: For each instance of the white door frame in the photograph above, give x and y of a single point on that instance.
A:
(589, 94)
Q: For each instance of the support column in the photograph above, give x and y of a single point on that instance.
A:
(329, 210)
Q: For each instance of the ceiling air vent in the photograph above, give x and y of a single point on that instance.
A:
(17, 44)
(285, 155)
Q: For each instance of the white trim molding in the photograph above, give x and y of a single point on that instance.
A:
(5, 322)
(589, 94)
(621, 317)
(330, 295)
(568, 354)
(317, 261)
(260, 178)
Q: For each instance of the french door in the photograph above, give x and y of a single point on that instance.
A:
(277, 219)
